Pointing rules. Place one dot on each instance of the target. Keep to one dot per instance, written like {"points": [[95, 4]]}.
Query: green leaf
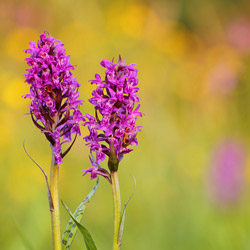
{"points": [[71, 228], [123, 215], [86, 235]]}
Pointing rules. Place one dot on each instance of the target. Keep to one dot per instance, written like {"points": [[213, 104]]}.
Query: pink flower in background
{"points": [[239, 34], [222, 79], [227, 178]]}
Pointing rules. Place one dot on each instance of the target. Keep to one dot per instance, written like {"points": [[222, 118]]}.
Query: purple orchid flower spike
{"points": [[53, 93], [113, 129]]}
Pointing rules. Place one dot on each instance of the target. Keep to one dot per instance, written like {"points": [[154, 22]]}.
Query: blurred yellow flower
{"points": [[12, 93], [78, 37], [5, 128], [18, 40], [133, 20], [177, 42], [127, 18]]}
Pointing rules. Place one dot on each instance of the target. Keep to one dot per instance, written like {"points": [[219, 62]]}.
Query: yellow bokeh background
{"points": [[193, 59]]}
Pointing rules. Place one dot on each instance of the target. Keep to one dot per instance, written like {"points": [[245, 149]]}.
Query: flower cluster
{"points": [[53, 93], [116, 112]]}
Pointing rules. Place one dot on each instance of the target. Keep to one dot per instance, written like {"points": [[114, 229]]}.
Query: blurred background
{"points": [[192, 165]]}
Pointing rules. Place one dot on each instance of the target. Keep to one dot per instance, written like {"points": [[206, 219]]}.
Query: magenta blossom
{"points": [[227, 178], [53, 93], [113, 128]]}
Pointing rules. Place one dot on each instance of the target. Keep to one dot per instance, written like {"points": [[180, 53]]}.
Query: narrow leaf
{"points": [[68, 149], [65, 118], [123, 214], [36, 123], [71, 228], [51, 206], [86, 235]]}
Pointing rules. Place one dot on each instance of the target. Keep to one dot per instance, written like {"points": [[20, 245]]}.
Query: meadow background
{"points": [[192, 165]]}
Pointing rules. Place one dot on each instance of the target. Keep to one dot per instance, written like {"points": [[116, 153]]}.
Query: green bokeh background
{"points": [[194, 84]]}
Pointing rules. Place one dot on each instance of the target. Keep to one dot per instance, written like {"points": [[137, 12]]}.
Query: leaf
{"points": [[71, 229], [68, 149], [86, 235], [51, 206], [93, 159], [123, 215]]}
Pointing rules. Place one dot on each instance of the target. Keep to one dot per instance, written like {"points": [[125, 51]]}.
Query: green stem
{"points": [[55, 214], [117, 209]]}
